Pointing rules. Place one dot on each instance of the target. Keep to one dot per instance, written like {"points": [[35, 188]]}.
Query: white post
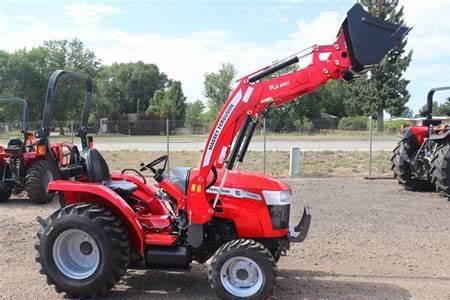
{"points": [[294, 162]]}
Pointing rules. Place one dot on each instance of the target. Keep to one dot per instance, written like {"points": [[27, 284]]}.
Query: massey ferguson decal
{"points": [[236, 193], [223, 119]]}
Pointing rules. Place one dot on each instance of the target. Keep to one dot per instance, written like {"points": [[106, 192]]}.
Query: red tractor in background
{"points": [[239, 220], [24, 165], [32, 163], [421, 159]]}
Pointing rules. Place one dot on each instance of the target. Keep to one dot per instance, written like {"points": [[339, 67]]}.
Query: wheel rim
{"points": [[241, 276], [76, 254]]}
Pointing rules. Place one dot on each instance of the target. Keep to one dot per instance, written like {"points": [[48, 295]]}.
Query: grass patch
{"points": [[312, 164]]}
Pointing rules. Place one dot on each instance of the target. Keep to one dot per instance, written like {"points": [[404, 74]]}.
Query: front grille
{"points": [[280, 216]]}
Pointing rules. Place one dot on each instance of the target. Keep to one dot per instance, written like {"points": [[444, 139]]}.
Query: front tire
{"points": [[83, 249], [242, 269], [37, 178]]}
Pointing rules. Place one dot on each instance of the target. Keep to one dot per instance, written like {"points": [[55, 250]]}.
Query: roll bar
{"points": [[25, 108], [44, 131], [430, 99]]}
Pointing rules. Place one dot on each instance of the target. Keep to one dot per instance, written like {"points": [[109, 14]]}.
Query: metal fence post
{"points": [[168, 142], [370, 146], [71, 129], [264, 144]]}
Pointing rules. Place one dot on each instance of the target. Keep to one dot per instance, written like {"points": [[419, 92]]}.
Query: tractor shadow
{"points": [[290, 284], [22, 200]]}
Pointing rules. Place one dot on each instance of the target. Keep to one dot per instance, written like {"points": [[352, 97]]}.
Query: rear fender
{"points": [[440, 136], [415, 133], [81, 192]]}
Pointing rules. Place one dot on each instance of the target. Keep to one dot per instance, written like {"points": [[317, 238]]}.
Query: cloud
{"points": [[186, 58], [90, 12], [430, 37]]}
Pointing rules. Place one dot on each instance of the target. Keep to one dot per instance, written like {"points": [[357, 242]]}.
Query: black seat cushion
{"points": [[98, 171], [180, 176], [14, 146]]}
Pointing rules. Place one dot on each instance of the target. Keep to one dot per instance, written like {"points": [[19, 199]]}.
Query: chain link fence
{"points": [[328, 146]]}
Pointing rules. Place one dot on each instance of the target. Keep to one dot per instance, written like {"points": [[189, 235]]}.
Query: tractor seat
{"points": [[98, 172], [14, 146], [180, 177]]}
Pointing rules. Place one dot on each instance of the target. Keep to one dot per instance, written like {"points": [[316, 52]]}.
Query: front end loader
{"points": [[238, 220]]}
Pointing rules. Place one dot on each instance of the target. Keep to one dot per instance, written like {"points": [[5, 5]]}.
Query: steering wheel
{"points": [[152, 166]]}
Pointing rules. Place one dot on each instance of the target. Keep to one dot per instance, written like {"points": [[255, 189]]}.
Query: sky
{"points": [[186, 39]]}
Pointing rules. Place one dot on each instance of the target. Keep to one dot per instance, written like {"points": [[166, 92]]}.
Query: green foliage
{"points": [[394, 125], [218, 87], [444, 108], [129, 87], [169, 103], [353, 123], [195, 116], [24, 73]]}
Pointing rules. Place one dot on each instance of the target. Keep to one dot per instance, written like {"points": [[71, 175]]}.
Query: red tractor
{"points": [[421, 159], [32, 163], [238, 219], [24, 165]]}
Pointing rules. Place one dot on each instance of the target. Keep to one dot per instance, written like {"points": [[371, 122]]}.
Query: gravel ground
{"points": [[368, 240]]}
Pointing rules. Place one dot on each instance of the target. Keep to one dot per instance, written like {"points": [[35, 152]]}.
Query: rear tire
{"points": [[402, 169], [242, 269], [37, 178], [440, 169], [83, 249]]}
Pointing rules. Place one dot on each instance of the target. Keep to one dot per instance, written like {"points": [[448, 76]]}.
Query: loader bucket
{"points": [[369, 38]]}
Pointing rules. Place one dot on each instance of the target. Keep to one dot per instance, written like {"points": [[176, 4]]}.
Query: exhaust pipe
{"points": [[368, 39]]}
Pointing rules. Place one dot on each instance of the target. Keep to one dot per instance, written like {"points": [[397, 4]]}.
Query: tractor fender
{"points": [[417, 134], [78, 192], [440, 137]]}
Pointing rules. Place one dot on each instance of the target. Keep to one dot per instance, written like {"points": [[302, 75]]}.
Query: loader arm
{"points": [[361, 43]]}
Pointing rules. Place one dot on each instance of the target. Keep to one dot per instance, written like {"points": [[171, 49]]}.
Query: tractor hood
{"points": [[368, 39]]}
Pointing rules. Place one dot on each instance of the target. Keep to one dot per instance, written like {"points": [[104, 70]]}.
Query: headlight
{"points": [[277, 197]]}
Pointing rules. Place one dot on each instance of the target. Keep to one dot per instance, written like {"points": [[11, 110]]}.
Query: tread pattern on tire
{"points": [[440, 169], [401, 168], [101, 218], [33, 182], [247, 244]]}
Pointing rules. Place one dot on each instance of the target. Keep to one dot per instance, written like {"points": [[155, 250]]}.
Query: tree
{"points": [[434, 109], [169, 103], [407, 113], [218, 87], [195, 115], [384, 88], [130, 86]]}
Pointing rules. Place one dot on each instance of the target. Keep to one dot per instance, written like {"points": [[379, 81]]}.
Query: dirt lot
{"points": [[368, 240]]}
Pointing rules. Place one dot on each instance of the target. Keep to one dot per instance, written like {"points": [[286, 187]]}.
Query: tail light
{"points": [[41, 149], [90, 142]]}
